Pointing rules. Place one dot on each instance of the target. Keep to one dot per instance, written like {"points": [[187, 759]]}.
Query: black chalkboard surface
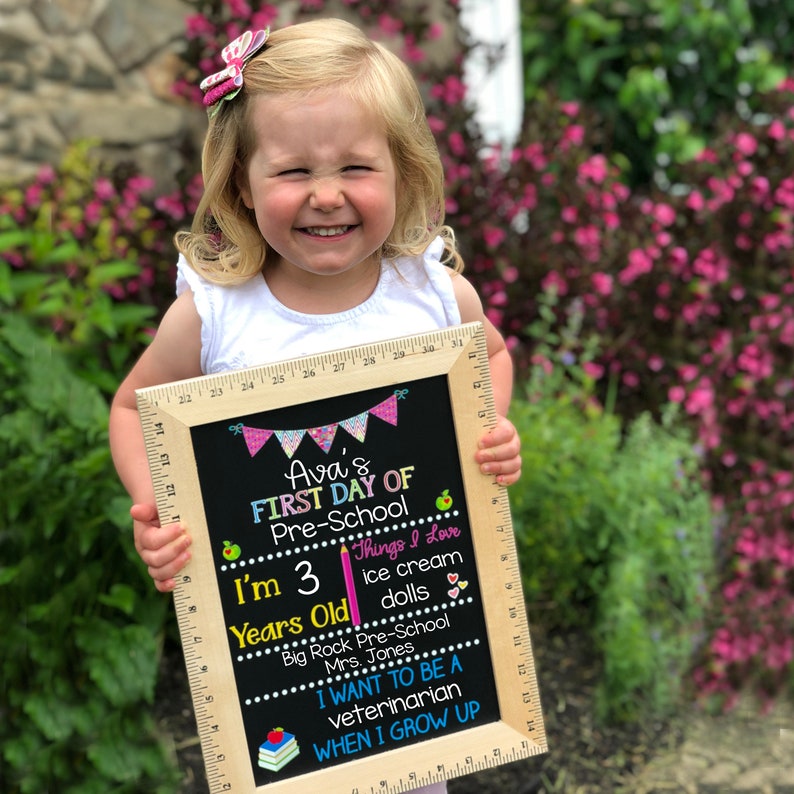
{"points": [[352, 620]]}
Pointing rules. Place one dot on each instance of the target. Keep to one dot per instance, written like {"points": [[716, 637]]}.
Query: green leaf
{"points": [[14, 239], [111, 272], [122, 753], [122, 662], [121, 597]]}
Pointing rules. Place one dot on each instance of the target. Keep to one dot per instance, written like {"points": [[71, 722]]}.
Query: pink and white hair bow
{"points": [[227, 83]]}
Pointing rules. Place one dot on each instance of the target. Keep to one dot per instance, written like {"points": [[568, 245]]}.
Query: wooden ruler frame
{"points": [[168, 412]]}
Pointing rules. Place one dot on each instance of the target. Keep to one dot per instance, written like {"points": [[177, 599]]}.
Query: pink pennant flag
{"points": [[289, 440], [255, 439], [356, 426], [387, 410], [323, 436]]}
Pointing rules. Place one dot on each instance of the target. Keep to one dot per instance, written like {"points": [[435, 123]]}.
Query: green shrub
{"points": [[659, 72], [80, 641], [614, 532], [84, 256]]}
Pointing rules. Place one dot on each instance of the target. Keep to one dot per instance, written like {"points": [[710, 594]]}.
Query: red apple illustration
{"points": [[276, 735], [231, 551], [444, 502]]}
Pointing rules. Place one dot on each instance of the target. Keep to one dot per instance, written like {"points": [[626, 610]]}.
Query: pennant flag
{"points": [[387, 410], [356, 426], [255, 439], [289, 440], [323, 436]]}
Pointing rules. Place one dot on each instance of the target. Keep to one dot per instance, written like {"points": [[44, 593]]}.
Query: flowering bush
{"points": [[84, 254], [217, 22], [636, 572], [660, 72], [690, 294]]}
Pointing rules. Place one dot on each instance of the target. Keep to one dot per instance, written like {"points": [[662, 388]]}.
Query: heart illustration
{"points": [[452, 578], [463, 585], [453, 593]]}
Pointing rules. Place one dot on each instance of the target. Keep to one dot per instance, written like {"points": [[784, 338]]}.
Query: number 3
{"points": [[307, 566]]}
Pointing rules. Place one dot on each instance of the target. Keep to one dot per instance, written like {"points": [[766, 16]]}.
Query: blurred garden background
{"points": [[634, 243]]}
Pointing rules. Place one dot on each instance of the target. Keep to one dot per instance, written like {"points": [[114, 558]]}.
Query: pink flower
{"points": [[777, 130], [390, 25], [746, 144], [639, 264], [588, 238], [541, 361], [602, 283], [45, 175], [573, 135], [510, 274], [103, 189], [33, 194], [631, 379], [436, 124], [534, 155], [664, 214], [759, 188], [529, 199], [592, 370], [493, 236], [688, 372], [456, 144], [695, 201], [412, 52], [676, 394], [197, 26], [554, 282], [569, 214], [701, 398], [594, 170], [778, 655], [264, 17], [743, 242], [452, 91], [499, 298]]}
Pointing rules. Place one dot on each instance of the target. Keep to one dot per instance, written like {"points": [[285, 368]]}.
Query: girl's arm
{"points": [[499, 450], [174, 354]]}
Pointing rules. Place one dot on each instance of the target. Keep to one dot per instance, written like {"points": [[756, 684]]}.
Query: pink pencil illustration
{"points": [[350, 586]]}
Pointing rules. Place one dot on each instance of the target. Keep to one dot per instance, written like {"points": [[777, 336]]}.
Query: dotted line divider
{"points": [[338, 541], [362, 672]]}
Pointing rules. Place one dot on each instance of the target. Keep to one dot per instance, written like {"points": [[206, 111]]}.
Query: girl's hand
{"points": [[165, 550], [499, 452]]}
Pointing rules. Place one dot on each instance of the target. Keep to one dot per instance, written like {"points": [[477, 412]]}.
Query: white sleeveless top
{"points": [[245, 326]]}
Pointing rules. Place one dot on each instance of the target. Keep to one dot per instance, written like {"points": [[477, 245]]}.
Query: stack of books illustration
{"points": [[275, 755]]}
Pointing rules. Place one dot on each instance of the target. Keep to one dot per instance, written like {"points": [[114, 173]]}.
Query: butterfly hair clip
{"points": [[227, 83]]}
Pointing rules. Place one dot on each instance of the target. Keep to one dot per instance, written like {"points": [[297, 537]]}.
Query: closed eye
{"points": [[292, 171]]}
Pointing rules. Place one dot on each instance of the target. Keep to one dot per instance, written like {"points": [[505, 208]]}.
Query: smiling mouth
{"points": [[326, 231]]}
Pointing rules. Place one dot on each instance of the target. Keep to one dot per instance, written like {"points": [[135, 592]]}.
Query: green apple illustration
{"points": [[444, 502], [231, 551]]}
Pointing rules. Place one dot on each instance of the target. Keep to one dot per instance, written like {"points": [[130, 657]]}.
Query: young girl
{"points": [[321, 227]]}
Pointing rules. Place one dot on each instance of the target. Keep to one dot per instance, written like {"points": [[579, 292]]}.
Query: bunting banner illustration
{"points": [[256, 437], [356, 426]]}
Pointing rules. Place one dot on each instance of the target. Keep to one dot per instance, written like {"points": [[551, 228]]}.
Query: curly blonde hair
{"points": [[225, 244]]}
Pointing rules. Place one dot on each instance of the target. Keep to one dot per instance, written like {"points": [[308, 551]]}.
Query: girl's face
{"points": [[322, 184]]}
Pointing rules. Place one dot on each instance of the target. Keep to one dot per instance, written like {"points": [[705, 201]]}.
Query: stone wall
{"points": [[76, 69]]}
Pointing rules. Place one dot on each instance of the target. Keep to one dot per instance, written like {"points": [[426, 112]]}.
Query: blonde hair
{"points": [[225, 243]]}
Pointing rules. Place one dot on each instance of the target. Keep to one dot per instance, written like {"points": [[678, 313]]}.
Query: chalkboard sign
{"points": [[352, 619]]}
